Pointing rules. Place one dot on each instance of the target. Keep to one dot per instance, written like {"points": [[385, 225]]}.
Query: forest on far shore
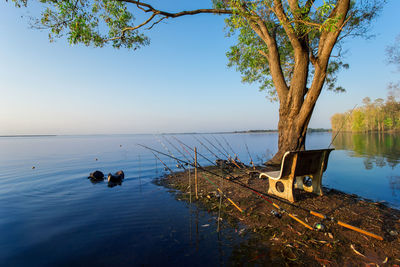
{"points": [[378, 115]]}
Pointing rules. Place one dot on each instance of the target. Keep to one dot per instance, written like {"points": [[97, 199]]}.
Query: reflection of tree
{"points": [[368, 164], [380, 162], [394, 182], [376, 148]]}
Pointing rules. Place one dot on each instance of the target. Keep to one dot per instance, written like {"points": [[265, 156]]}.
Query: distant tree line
{"points": [[376, 115], [309, 130]]}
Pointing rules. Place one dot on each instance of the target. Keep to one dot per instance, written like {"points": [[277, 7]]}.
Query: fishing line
{"points": [[231, 159], [193, 149], [251, 159], [341, 127], [214, 146], [243, 185], [169, 142], [314, 213], [227, 153], [170, 153], [229, 146], [218, 189], [198, 140], [165, 165]]}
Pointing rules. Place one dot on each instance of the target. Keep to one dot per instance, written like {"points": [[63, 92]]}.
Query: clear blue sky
{"points": [[180, 83]]}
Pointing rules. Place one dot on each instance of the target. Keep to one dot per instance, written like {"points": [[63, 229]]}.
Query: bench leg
{"points": [[299, 183], [288, 188], [316, 186]]}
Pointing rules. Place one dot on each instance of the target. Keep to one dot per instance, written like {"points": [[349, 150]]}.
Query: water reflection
{"points": [[94, 181], [394, 182], [52, 214], [112, 184], [378, 150]]}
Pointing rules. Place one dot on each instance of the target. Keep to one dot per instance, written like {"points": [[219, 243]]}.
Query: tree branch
{"points": [[150, 8], [309, 4], [147, 8], [295, 8], [132, 28], [280, 13], [259, 27], [329, 38], [327, 42]]}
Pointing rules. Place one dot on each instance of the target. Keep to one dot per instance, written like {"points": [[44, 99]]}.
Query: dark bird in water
{"points": [[96, 175], [116, 178]]}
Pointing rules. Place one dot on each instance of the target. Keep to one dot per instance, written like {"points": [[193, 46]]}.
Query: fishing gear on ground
{"points": [[278, 207]]}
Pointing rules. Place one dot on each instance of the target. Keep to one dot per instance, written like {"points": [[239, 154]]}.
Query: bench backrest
{"points": [[308, 162]]}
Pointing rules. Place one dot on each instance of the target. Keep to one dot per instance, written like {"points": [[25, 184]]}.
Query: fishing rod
{"points": [[165, 165], [198, 140], [230, 158], [314, 213], [281, 210], [222, 193], [229, 145], [184, 149], [251, 159], [341, 127], [214, 146], [204, 156], [176, 148], [163, 145], [201, 154], [187, 163], [319, 215], [169, 152], [209, 149], [227, 153], [218, 189], [182, 143]]}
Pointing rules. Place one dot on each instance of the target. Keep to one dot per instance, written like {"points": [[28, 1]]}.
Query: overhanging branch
{"points": [[149, 8], [161, 15]]}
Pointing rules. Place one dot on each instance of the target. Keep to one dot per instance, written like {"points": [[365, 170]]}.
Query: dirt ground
{"points": [[279, 239]]}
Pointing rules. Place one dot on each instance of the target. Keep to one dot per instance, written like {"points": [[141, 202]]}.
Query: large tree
{"points": [[285, 45]]}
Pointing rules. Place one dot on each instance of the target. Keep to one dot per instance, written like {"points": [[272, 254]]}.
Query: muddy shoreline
{"points": [[277, 238]]}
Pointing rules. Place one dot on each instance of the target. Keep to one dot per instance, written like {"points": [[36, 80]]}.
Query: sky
{"points": [[179, 83]]}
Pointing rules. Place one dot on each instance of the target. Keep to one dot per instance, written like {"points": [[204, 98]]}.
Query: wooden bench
{"points": [[298, 165]]}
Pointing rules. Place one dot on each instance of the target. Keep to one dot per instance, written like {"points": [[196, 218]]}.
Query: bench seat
{"points": [[295, 167]]}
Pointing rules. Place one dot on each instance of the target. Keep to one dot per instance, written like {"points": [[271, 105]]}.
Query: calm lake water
{"points": [[53, 215]]}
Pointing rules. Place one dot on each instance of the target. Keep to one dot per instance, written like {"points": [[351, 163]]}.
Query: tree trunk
{"points": [[292, 134], [297, 102]]}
